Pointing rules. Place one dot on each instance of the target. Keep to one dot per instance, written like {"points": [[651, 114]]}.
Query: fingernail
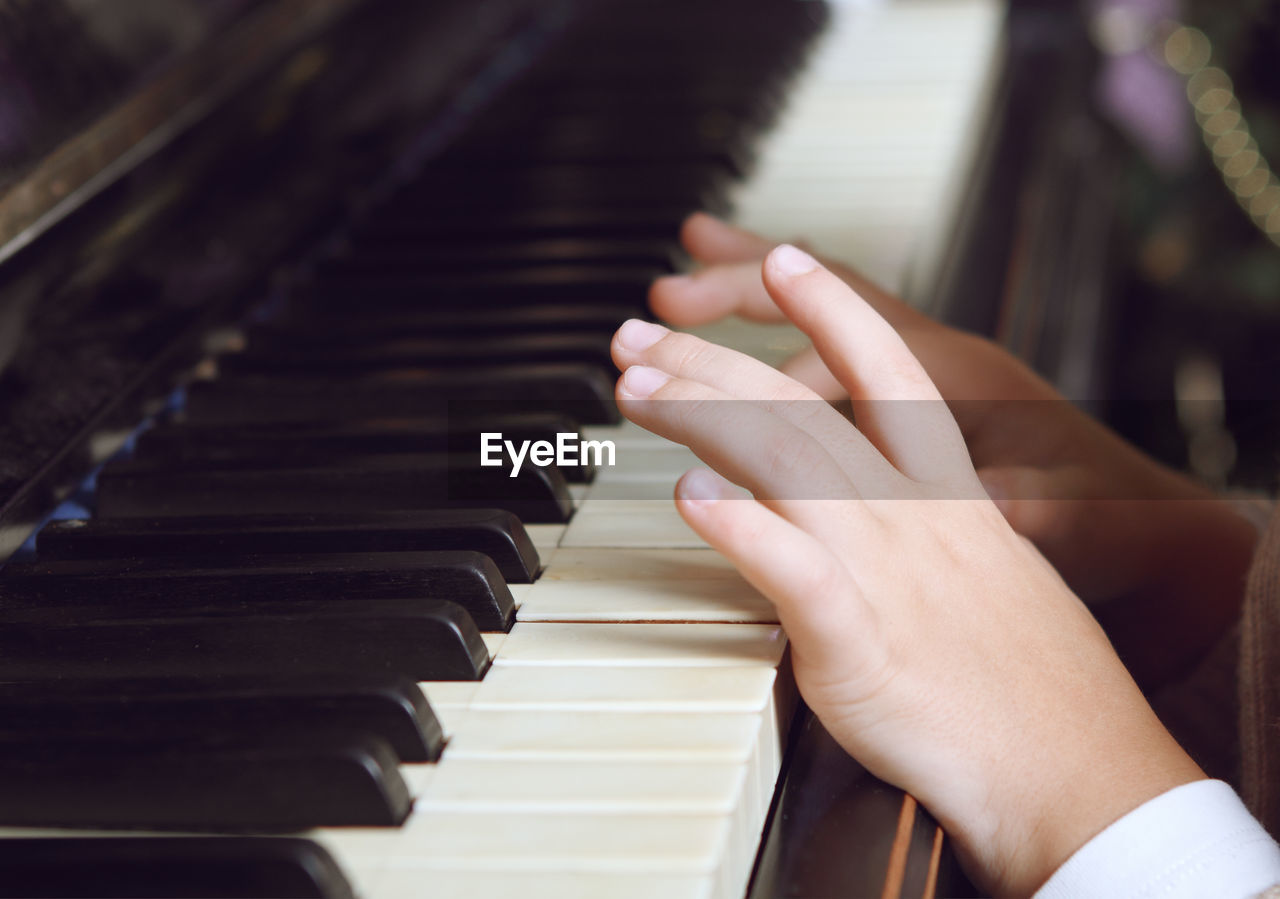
{"points": [[792, 261], [702, 486], [637, 335], [641, 381]]}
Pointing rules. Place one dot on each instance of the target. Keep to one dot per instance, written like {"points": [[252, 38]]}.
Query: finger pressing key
{"points": [[819, 603]]}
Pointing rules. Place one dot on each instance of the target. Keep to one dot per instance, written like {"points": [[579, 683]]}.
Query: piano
{"points": [[269, 271]]}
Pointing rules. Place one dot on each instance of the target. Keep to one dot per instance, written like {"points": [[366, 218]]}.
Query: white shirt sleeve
{"points": [[1196, 840]]}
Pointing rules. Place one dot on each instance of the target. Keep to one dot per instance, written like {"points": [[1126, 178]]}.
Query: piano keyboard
{"points": [[917, 76], [624, 736], [869, 159]]}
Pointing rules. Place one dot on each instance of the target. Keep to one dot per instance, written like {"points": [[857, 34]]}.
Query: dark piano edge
{"points": [[227, 294], [1036, 116], [888, 845]]}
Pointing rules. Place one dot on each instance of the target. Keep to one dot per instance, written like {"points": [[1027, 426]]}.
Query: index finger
{"points": [[896, 404]]}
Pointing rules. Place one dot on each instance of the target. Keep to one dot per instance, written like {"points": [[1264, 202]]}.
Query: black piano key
{"points": [[657, 255], [310, 442], [624, 139], [496, 533], [467, 578], [541, 223], [530, 185], [422, 352], [145, 710], [496, 289], [122, 867], [558, 148], [138, 489], [615, 57], [294, 327], [583, 392], [419, 640], [757, 110], [235, 783]]}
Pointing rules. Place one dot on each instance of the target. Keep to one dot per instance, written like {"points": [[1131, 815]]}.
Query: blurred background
{"points": [[1196, 112]]}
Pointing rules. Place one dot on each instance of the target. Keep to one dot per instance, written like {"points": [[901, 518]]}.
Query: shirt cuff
{"points": [[1195, 840]]}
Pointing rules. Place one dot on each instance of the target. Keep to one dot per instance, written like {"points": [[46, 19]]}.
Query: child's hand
{"points": [[1113, 521], [934, 643]]}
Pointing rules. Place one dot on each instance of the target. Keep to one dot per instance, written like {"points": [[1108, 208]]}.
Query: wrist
{"points": [[1076, 813], [1038, 818]]}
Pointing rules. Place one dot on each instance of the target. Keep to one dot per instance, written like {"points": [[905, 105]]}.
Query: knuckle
{"points": [[686, 355]]}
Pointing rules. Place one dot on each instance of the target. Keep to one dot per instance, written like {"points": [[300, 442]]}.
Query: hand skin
{"points": [[1161, 559], [937, 646]]}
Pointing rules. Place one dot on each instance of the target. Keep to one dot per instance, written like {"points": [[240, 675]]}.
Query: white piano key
{"points": [[662, 852], [449, 699], [620, 491], [408, 883], [519, 592], [617, 788], [917, 74], [649, 462], [625, 434], [359, 848], [729, 739], [517, 841], [417, 776], [643, 645], [746, 690], [641, 600], [460, 840], [449, 692], [365, 876], [607, 736], [768, 761], [754, 691], [545, 538], [566, 787], [493, 642], [608, 564], [630, 523]]}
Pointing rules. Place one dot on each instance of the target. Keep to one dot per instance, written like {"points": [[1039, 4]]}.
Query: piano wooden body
{"points": [[267, 270]]}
